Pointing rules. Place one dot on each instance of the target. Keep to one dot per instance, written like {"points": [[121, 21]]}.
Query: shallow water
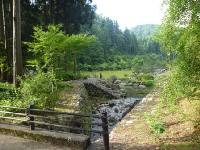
{"points": [[118, 111]]}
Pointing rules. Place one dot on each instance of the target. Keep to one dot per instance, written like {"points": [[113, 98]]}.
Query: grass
{"points": [[108, 74], [185, 146]]}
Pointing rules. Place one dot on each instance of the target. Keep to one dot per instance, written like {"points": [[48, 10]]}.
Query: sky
{"points": [[130, 13]]}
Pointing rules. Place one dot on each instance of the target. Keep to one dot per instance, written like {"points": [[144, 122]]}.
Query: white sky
{"points": [[130, 13]]}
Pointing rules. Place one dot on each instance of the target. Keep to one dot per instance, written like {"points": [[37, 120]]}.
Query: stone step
{"points": [[77, 141]]}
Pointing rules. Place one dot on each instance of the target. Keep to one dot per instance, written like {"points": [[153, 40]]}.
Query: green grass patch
{"points": [[181, 146], [107, 74]]}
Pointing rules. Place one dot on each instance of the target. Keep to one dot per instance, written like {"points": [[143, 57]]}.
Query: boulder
{"points": [[116, 110], [115, 86], [111, 104], [113, 78], [108, 85], [122, 84], [135, 85], [102, 81], [117, 82], [112, 119], [142, 86], [122, 90]]}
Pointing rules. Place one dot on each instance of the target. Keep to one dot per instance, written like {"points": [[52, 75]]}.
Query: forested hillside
{"points": [[144, 30], [116, 49], [112, 49]]}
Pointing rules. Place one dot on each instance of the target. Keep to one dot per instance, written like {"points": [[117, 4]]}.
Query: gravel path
{"points": [[15, 143]]}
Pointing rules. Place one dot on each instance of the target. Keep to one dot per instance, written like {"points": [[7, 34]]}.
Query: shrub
{"points": [[144, 77], [131, 81], [156, 124], [149, 82], [66, 76], [38, 89]]}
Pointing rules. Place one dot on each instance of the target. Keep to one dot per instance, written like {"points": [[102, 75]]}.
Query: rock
{"points": [[112, 119], [130, 84], [122, 90], [115, 86], [108, 85], [113, 78], [117, 82], [103, 82], [123, 95], [122, 84], [142, 86], [135, 85], [111, 104], [116, 110], [128, 122]]}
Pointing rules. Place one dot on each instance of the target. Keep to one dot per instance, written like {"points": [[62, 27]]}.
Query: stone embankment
{"points": [[99, 88]]}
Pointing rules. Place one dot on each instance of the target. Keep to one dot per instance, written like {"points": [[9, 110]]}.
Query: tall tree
{"points": [[17, 52]]}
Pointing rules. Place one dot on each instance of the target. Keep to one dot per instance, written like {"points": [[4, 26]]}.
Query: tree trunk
{"points": [[51, 11], [9, 57], [45, 13], [2, 37], [6, 41], [17, 53]]}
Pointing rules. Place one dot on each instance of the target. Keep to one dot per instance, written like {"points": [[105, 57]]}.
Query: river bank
{"points": [[134, 132], [130, 133]]}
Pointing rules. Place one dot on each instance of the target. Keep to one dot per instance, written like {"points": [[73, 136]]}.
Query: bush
{"points": [[144, 77], [39, 89], [66, 76], [131, 81], [149, 82]]}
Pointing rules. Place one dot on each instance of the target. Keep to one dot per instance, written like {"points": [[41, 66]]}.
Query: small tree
{"points": [[48, 47], [77, 43]]}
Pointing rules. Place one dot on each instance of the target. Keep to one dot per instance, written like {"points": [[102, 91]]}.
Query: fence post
{"points": [[31, 118], [105, 129]]}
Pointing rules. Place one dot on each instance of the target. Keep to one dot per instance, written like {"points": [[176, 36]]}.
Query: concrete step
{"points": [[75, 141]]}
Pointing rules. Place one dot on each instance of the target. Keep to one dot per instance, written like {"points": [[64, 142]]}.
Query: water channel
{"points": [[116, 109]]}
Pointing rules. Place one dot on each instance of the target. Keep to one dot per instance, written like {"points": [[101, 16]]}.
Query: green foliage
{"points": [[131, 81], [190, 145], [47, 45], [39, 89], [66, 76], [184, 42], [78, 42], [144, 30], [144, 77], [149, 82], [157, 126]]}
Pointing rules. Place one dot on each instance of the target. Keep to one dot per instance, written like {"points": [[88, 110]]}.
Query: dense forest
{"points": [[110, 49]]}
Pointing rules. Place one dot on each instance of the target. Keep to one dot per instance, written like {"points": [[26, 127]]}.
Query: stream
{"points": [[116, 110]]}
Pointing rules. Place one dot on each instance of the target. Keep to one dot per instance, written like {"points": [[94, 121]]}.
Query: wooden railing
{"points": [[33, 114]]}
